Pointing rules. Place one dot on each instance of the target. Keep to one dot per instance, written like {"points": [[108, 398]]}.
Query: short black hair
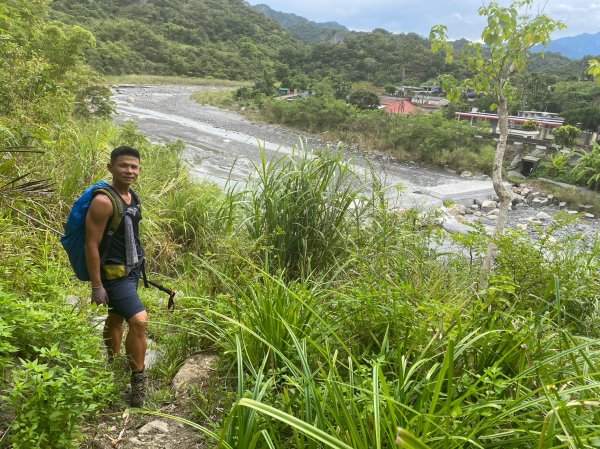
{"points": [[123, 151]]}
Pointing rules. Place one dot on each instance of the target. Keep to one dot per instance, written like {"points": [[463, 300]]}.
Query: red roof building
{"points": [[401, 106]]}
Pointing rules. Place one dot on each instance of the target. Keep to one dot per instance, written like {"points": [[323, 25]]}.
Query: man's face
{"points": [[125, 170]]}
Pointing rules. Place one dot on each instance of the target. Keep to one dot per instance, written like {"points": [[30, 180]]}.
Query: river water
{"points": [[222, 145]]}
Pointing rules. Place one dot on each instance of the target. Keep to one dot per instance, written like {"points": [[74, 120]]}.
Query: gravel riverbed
{"points": [[223, 145]]}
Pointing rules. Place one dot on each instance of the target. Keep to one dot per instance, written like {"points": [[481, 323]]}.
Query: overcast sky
{"points": [[403, 16]]}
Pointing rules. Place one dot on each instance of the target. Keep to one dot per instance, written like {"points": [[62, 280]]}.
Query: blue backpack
{"points": [[74, 238]]}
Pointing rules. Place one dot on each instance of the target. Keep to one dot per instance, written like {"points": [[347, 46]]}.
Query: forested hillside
{"points": [[214, 38], [303, 29]]}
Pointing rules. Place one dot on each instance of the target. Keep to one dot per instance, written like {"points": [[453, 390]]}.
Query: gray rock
{"points": [[155, 426], [572, 212], [453, 226], [195, 370], [517, 199], [488, 205], [587, 215], [466, 174], [457, 209], [562, 205], [74, 301], [543, 216], [516, 162], [539, 202], [515, 175]]}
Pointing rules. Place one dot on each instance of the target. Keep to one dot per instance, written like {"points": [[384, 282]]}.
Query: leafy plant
{"points": [[566, 135], [587, 170]]}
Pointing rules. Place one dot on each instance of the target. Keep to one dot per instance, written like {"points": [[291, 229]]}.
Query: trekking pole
{"points": [[171, 293], [168, 291]]}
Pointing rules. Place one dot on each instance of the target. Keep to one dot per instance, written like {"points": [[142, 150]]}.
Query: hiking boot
{"points": [[138, 389]]}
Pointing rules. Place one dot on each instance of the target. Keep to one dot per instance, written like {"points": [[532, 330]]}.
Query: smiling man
{"points": [[114, 261]]}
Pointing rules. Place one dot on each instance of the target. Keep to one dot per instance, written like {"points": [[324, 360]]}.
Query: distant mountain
{"points": [[574, 47], [302, 29]]}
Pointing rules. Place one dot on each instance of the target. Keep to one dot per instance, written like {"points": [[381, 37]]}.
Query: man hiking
{"points": [[114, 265]]}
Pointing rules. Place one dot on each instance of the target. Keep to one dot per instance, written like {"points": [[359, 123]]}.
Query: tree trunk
{"points": [[503, 194]]}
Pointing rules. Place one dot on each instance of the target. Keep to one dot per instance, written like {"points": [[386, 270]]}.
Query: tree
{"points": [[566, 135], [364, 99], [510, 33]]}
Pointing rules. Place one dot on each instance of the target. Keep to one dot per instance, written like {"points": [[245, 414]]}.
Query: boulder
{"points": [[196, 370], [515, 176], [488, 205], [457, 209], [453, 226], [516, 162]]}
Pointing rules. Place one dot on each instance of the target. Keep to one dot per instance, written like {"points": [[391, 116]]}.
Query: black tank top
{"points": [[116, 252]]}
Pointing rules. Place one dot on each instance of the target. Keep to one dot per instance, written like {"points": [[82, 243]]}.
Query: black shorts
{"points": [[123, 298]]}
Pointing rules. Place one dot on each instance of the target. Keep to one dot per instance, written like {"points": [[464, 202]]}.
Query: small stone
{"points": [[477, 213], [535, 194], [543, 216], [535, 222], [475, 206], [522, 226], [457, 209], [585, 206], [562, 205], [587, 215], [494, 212], [155, 426], [487, 206], [493, 217], [525, 191], [552, 239], [466, 174], [550, 197], [111, 429], [539, 202], [572, 212]]}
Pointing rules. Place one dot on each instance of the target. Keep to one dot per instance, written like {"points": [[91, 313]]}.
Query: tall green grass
{"points": [[302, 209]]}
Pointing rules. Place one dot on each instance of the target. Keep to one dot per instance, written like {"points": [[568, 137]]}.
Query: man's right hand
{"points": [[99, 296]]}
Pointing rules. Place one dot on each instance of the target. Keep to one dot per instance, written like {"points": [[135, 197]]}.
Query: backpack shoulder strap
{"points": [[118, 208], [137, 198]]}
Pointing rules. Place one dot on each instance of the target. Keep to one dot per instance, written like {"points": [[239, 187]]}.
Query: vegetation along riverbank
{"points": [[331, 320]]}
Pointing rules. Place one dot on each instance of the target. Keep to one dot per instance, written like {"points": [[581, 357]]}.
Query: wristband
{"points": [[99, 286]]}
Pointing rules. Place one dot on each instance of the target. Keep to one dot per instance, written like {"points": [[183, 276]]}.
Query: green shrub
{"points": [[60, 379], [301, 209], [566, 135]]}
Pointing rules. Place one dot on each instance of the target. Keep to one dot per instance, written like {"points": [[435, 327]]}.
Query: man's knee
{"points": [[114, 322], [138, 323]]}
